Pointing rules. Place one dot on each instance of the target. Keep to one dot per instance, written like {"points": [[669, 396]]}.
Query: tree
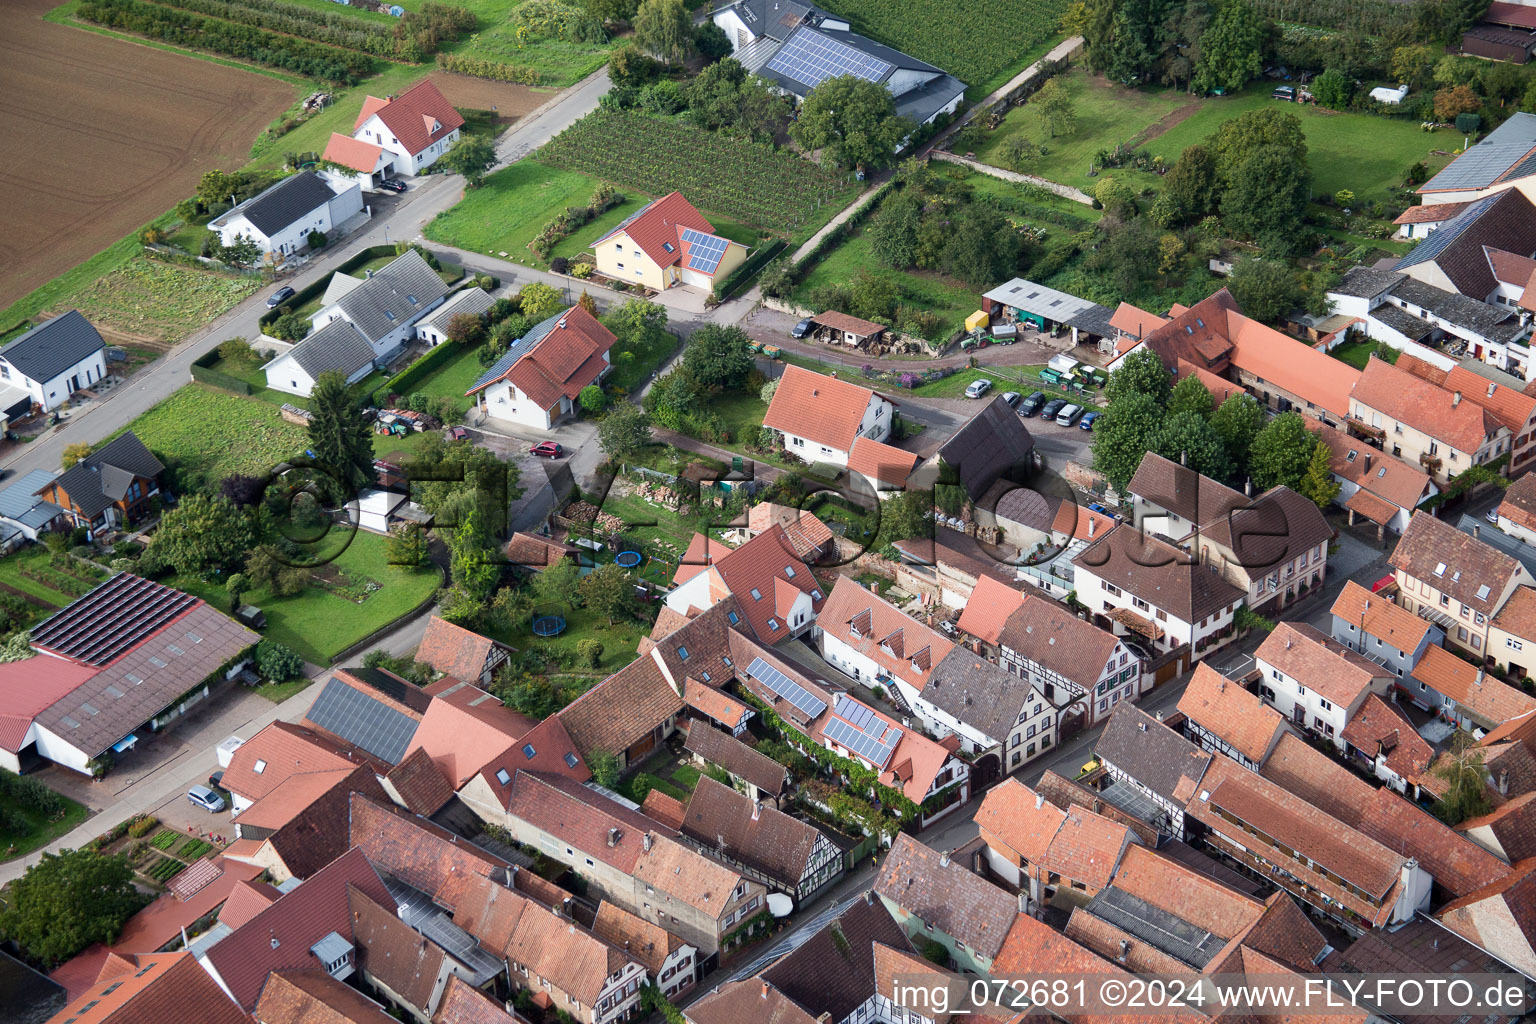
{"points": [[1018, 152], [1191, 395], [540, 301], [604, 767], [244, 251], [1126, 431], [1451, 71], [1231, 49], [609, 591], [1189, 438], [405, 545], [1189, 189], [719, 356], [1238, 421], [768, 390], [630, 66], [588, 303], [710, 41], [893, 231], [1140, 373], [74, 453], [592, 399], [1317, 483], [1238, 139], [1267, 197], [338, 435], [277, 662], [982, 250], [1115, 197], [624, 431], [1281, 452], [590, 650], [204, 534], [724, 97], [1054, 108], [1332, 89], [664, 28], [1411, 65], [67, 901], [555, 585], [1170, 255], [237, 585], [905, 516], [1466, 794], [473, 566], [1454, 101], [1265, 289], [853, 122]]}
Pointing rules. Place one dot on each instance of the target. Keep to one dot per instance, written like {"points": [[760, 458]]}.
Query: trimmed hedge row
{"points": [[314, 291], [202, 371], [496, 71], [403, 382], [738, 279]]}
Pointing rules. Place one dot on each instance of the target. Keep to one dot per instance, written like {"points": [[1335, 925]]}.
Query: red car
{"points": [[547, 450], [457, 434]]}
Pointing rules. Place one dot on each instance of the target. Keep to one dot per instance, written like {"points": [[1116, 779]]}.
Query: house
{"points": [[807, 534], [280, 750], [1423, 948], [1420, 422], [936, 897], [762, 776], [1173, 501], [668, 960], [1454, 580], [281, 218], [532, 552], [1506, 831], [1148, 764], [133, 988], [820, 417], [23, 510], [1465, 248], [414, 128], [993, 444], [1223, 718], [798, 47], [535, 383], [473, 302], [870, 639], [1497, 918], [128, 655], [784, 853], [632, 860], [348, 161], [371, 709], [775, 592], [386, 305], [1382, 736], [406, 968], [1274, 548], [881, 469], [1046, 309], [1463, 693], [716, 706], [50, 363], [1382, 631], [295, 996], [1516, 511], [1052, 853], [299, 827], [947, 566], [1372, 484], [1501, 395], [115, 486], [1138, 584], [667, 242], [464, 654], [1512, 633], [1341, 873], [1419, 222], [1496, 163], [1316, 682], [338, 346], [1003, 718]]}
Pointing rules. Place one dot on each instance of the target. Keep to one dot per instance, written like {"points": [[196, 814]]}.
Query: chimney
{"points": [[1142, 726], [1023, 899], [944, 859], [1184, 458], [1248, 488], [757, 809], [1221, 687], [1092, 525], [368, 272], [646, 839], [613, 836], [1504, 782], [1125, 950], [869, 897], [1455, 399], [1409, 867], [764, 994], [1367, 462], [1039, 800], [1159, 716]]}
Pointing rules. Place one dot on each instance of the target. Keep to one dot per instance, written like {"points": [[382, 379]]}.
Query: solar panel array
{"points": [[861, 716], [812, 58], [704, 251], [110, 619], [359, 719], [806, 702], [874, 747]]}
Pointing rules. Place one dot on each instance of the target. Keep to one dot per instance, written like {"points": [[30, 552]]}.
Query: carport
{"points": [[842, 329]]}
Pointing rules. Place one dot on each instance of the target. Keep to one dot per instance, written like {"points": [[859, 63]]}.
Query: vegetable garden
{"points": [[741, 180]]}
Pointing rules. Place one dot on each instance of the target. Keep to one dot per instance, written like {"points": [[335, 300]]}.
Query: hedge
{"points": [[738, 279], [314, 291], [403, 382], [479, 67], [202, 370]]}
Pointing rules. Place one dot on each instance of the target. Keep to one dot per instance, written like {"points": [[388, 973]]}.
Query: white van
{"points": [[1069, 415]]}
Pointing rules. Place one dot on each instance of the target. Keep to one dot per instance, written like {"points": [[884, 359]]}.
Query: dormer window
{"points": [[388, 315], [732, 617], [1439, 568], [1351, 456], [669, 247], [411, 299]]}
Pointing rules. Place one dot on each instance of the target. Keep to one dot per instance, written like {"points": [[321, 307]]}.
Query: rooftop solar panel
{"points": [[812, 58], [359, 719], [875, 750], [859, 715], [806, 702], [110, 619], [704, 251]]}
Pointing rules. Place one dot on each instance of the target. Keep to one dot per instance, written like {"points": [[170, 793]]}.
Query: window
{"points": [[1514, 644], [620, 266], [757, 595], [734, 620], [259, 767], [1323, 703], [682, 652], [789, 572], [528, 750], [773, 625], [1114, 590]]}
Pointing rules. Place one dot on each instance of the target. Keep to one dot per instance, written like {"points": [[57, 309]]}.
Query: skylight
{"points": [[502, 776], [1439, 568], [528, 750], [789, 572], [757, 595]]}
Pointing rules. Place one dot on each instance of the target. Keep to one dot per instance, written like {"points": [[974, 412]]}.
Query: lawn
{"points": [[632, 367], [453, 378], [947, 297], [41, 831], [620, 641], [158, 300], [320, 622], [652, 524], [210, 433]]}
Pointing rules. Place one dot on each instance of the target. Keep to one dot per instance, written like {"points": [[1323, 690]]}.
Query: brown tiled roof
{"points": [[982, 695], [1047, 633], [1430, 214], [736, 757], [567, 358], [464, 1004], [1224, 708], [1197, 334], [805, 531], [1020, 818], [1316, 778], [1319, 662], [833, 973], [150, 988], [1518, 616], [1190, 895], [1379, 475], [1087, 847], [1065, 793], [572, 958], [582, 817], [1513, 826], [317, 835], [850, 324], [880, 631], [759, 565], [1511, 766], [1380, 617], [714, 703], [1470, 687], [415, 850], [1514, 895], [1285, 933], [892, 963], [621, 709], [1519, 503], [752, 1001], [454, 650], [1113, 942], [723, 820], [883, 463], [1398, 394], [1278, 526], [818, 408], [420, 783], [1454, 563], [1379, 729], [311, 996], [685, 874], [1182, 491], [393, 952], [1148, 751], [1158, 573], [646, 942], [535, 552], [946, 894], [666, 809]]}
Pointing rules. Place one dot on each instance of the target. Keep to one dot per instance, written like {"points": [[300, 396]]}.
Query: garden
{"points": [[206, 434], [55, 578], [160, 301], [32, 815]]}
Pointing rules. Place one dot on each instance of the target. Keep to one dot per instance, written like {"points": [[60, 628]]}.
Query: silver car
{"points": [[205, 799]]}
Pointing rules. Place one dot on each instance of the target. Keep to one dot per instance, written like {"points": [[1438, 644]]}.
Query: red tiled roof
{"points": [[1511, 407], [411, 115], [454, 650], [701, 554], [152, 988], [419, 783], [1087, 847], [755, 566], [988, 609], [1519, 504], [1386, 478], [1197, 334], [818, 408], [1432, 213], [660, 224], [1310, 375], [1224, 708], [849, 324], [1379, 730], [284, 749], [535, 552], [1379, 617], [247, 900], [311, 996], [31, 685], [714, 703], [1509, 267], [1319, 663], [354, 153], [465, 728], [880, 631], [1135, 321], [882, 463], [805, 531], [1220, 388], [464, 1004], [564, 360], [413, 849], [1470, 687], [649, 943], [1019, 818], [291, 797], [581, 817], [1400, 395], [1518, 616], [666, 809]]}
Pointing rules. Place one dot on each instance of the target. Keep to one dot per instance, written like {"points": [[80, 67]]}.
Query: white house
{"points": [[470, 301], [413, 128], [336, 346], [281, 219], [821, 417], [1315, 681], [54, 360], [777, 596], [386, 306], [352, 161], [535, 383]]}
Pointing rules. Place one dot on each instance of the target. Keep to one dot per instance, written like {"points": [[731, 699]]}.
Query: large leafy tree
{"points": [[1317, 483], [1281, 452], [1231, 49], [609, 591], [852, 121], [1140, 373], [1189, 438], [664, 28], [1466, 794], [1126, 431], [624, 431], [1265, 289], [894, 231], [1267, 197], [67, 901], [719, 356], [1238, 421], [1191, 184], [1191, 395], [204, 534], [984, 248], [471, 156], [1238, 139], [338, 436], [1054, 108], [474, 567], [724, 97], [540, 301], [555, 584]]}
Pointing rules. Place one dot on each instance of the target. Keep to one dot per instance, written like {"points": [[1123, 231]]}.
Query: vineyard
{"points": [[411, 38], [751, 183], [1371, 17], [977, 41]]}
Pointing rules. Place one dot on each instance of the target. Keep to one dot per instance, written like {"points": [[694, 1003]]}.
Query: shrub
{"points": [[277, 662], [592, 399], [142, 826], [560, 265], [317, 239], [591, 651]]}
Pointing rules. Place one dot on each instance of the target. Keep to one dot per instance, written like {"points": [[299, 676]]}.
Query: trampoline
{"points": [[627, 559], [548, 625]]}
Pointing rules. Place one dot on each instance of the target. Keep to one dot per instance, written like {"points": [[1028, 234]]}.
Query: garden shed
{"points": [[842, 329]]}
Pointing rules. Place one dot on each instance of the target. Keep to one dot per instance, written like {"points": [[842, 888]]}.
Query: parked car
{"points": [[279, 297], [547, 450], [1068, 416], [205, 799], [457, 434], [216, 780], [1049, 410], [392, 185], [801, 329], [1086, 423], [1492, 515], [1012, 398], [1032, 404], [978, 387]]}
